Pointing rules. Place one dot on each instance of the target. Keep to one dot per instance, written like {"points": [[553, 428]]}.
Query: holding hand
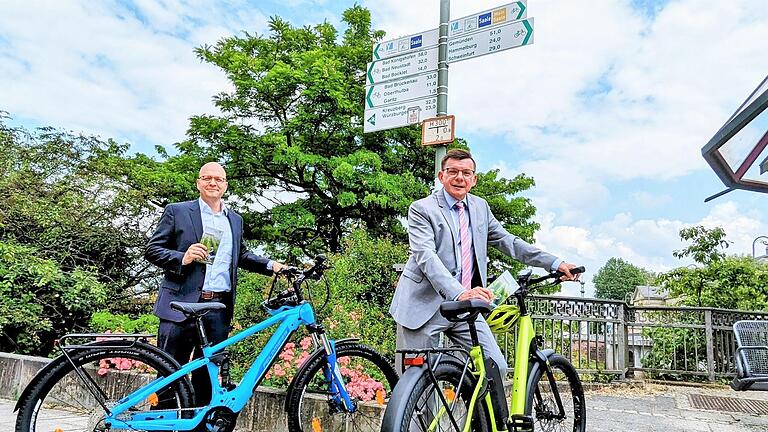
{"points": [[566, 269], [197, 251], [477, 293], [277, 267]]}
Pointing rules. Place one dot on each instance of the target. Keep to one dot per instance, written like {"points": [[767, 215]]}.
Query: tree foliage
{"points": [[40, 301], [67, 229], [290, 135], [618, 278], [707, 244]]}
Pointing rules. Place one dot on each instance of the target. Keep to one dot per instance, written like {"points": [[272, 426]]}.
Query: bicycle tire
{"points": [[540, 402], [58, 399], [309, 400], [399, 417]]}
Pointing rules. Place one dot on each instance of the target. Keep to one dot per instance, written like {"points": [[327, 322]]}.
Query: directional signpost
{"points": [[395, 92], [399, 115], [495, 39], [405, 65], [402, 80]]}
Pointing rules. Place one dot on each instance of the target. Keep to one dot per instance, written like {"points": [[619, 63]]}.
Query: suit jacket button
{"points": [[453, 273]]}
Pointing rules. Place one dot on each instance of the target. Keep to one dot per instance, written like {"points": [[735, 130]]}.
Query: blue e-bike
{"points": [[122, 382]]}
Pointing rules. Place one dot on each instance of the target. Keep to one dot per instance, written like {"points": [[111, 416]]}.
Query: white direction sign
{"points": [[495, 39], [478, 21], [405, 89], [412, 63], [398, 115]]}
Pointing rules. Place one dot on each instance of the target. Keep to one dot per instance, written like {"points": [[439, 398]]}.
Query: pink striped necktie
{"points": [[466, 248]]}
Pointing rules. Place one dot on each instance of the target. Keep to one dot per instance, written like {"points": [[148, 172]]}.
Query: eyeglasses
{"points": [[206, 179], [453, 172]]}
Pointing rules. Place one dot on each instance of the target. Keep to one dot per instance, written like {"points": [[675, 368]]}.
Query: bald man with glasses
{"points": [[175, 247]]}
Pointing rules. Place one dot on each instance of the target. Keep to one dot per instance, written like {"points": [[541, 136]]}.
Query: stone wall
{"points": [[264, 412]]}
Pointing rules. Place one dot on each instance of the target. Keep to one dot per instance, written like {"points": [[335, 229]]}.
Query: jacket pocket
{"points": [[170, 286], [416, 276]]}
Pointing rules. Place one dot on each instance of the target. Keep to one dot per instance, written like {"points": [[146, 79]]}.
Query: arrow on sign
{"points": [[521, 5], [529, 33]]}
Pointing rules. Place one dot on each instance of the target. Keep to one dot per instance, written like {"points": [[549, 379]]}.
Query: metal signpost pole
{"points": [[442, 76]]}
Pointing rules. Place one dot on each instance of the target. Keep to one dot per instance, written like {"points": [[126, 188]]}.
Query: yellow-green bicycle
{"points": [[447, 389]]}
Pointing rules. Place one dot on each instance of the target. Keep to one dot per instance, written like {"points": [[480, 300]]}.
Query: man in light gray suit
{"points": [[449, 233]]}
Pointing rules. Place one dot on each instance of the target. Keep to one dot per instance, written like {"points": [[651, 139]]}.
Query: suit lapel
{"points": [[446, 212], [474, 216], [197, 221]]}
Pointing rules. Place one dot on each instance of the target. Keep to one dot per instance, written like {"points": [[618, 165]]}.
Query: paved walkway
{"points": [[643, 408]]}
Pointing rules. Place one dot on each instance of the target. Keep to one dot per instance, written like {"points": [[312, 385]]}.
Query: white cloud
{"points": [[106, 69]]}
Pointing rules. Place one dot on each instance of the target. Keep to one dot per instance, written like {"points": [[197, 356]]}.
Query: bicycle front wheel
{"points": [[70, 396], [368, 378], [541, 401]]}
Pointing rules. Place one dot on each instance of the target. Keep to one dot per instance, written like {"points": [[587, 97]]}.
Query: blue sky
{"points": [[607, 110]]}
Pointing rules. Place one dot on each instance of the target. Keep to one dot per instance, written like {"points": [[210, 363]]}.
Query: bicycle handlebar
{"points": [[554, 275], [298, 276]]}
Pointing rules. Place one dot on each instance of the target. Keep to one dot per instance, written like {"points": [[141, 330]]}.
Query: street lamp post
{"points": [[764, 242]]}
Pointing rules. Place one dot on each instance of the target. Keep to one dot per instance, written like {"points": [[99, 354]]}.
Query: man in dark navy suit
{"points": [[175, 247]]}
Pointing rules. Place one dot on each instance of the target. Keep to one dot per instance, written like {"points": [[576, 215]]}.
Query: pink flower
{"points": [[279, 372], [302, 358], [287, 355], [102, 371], [306, 342], [354, 316], [343, 361]]}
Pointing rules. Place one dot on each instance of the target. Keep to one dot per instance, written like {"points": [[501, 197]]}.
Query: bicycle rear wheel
{"points": [[59, 399], [541, 402], [369, 379], [424, 410]]}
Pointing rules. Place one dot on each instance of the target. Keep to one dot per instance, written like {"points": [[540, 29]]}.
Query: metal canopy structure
{"points": [[738, 152]]}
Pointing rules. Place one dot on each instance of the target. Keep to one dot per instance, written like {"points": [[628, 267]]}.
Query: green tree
{"points": [[706, 246], [40, 301], [62, 214], [618, 278], [290, 134]]}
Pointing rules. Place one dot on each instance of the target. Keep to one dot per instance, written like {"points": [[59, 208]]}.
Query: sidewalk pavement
{"points": [[637, 408]]}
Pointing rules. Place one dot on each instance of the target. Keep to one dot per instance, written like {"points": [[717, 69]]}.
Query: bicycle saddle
{"points": [[196, 308], [464, 310]]}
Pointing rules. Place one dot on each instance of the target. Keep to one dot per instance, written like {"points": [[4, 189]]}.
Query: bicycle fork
{"points": [[332, 372]]}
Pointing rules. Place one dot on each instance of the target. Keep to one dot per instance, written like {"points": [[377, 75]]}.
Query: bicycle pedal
{"points": [[520, 423]]}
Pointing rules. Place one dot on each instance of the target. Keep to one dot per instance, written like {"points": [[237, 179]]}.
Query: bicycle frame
{"points": [[525, 337], [288, 320]]}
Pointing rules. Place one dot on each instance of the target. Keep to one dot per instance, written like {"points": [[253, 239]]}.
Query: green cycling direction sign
{"points": [[395, 92], [401, 66], [500, 38], [398, 115], [478, 21]]}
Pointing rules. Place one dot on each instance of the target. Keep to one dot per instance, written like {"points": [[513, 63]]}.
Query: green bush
{"points": [[120, 323], [40, 302]]}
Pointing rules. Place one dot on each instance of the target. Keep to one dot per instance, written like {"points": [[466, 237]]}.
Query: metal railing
{"points": [[612, 337]]}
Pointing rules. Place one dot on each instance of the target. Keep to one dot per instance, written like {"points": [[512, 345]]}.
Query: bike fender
{"points": [[320, 352], [91, 345], [393, 416], [539, 360]]}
